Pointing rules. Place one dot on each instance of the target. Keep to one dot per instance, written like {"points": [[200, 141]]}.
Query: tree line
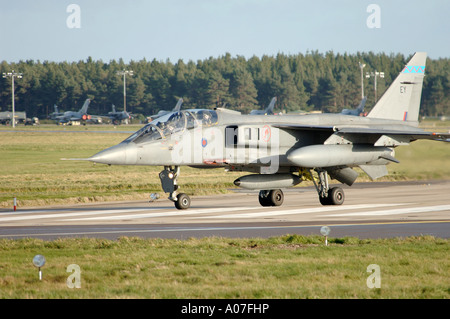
{"points": [[313, 81]]}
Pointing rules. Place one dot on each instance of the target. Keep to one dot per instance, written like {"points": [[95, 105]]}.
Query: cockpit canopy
{"points": [[174, 122]]}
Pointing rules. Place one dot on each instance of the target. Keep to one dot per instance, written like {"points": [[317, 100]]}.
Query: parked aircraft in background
{"points": [[117, 117], [281, 151], [162, 113], [358, 111], [267, 111], [56, 113], [71, 116]]}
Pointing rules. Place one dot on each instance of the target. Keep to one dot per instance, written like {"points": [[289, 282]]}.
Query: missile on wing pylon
{"points": [[269, 181]]}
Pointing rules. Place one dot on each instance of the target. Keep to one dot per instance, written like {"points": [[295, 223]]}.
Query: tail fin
{"points": [[85, 106], [269, 109], [401, 101], [178, 106]]}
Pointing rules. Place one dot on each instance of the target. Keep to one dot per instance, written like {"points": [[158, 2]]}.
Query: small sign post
{"points": [[39, 261], [325, 231]]}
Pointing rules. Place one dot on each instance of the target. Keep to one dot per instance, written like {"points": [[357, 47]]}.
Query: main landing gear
{"points": [[168, 179], [327, 196], [272, 197]]}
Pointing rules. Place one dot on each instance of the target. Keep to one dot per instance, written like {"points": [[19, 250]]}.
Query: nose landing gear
{"points": [[169, 184]]}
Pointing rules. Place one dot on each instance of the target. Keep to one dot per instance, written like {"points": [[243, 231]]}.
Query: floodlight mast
{"points": [[362, 65], [125, 73], [375, 74], [12, 75]]}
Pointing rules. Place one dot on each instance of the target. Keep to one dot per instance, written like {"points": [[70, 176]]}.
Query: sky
{"points": [[55, 30]]}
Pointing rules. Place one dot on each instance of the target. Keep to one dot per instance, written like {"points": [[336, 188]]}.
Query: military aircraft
{"points": [[281, 151], [55, 114], [118, 117], [71, 116], [358, 111], [162, 113], [267, 111]]}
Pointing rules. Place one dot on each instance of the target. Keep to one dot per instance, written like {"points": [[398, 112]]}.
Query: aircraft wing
{"points": [[412, 134], [379, 136]]}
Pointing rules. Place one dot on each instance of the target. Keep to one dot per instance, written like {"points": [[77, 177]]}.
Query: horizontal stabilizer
{"points": [[374, 171], [344, 175]]}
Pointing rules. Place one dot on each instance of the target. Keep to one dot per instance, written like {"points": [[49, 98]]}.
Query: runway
{"points": [[371, 210]]}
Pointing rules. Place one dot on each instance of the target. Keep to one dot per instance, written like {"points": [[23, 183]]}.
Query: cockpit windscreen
{"points": [[172, 123]]}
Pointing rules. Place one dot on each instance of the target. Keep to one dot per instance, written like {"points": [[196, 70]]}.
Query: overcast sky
{"points": [[198, 29]]}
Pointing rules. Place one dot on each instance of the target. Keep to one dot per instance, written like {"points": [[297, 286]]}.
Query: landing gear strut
{"points": [[168, 179], [327, 196], [272, 197]]}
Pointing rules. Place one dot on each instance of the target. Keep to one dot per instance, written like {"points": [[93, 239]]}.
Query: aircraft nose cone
{"points": [[121, 154]]}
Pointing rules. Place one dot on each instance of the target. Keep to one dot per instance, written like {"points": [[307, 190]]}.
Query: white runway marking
{"points": [[224, 212], [410, 210], [38, 216], [167, 214], [301, 211]]}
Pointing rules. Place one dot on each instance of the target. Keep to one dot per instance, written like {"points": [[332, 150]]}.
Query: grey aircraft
{"points": [[281, 151], [177, 108], [267, 111], [358, 111], [55, 114], [71, 116], [118, 117]]}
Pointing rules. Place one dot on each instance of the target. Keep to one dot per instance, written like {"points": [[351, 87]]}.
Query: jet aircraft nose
{"points": [[120, 154]]}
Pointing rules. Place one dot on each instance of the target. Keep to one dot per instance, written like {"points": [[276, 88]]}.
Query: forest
{"points": [[314, 81]]}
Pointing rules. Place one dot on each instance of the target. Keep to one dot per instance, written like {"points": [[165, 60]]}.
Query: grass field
{"points": [[291, 266], [33, 172]]}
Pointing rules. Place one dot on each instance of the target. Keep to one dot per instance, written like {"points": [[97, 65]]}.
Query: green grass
{"points": [[32, 171], [290, 266]]}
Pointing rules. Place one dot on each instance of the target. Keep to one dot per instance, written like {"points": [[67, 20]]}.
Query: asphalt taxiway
{"points": [[371, 210]]}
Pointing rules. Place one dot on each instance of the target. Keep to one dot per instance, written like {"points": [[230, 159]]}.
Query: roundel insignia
{"points": [[204, 142], [266, 133]]}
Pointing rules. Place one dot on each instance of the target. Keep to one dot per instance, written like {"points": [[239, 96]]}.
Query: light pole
{"points": [[12, 75], [125, 73], [362, 65], [375, 74]]}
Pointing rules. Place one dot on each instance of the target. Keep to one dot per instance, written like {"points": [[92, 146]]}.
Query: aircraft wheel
{"points": [[263, 198], [336, 196], [276, 197], [324, 200], [273, 197], [183, 201]]}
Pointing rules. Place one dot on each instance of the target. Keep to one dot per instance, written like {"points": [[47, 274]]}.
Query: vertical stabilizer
{"points": [[85, 106], [401, 101]]}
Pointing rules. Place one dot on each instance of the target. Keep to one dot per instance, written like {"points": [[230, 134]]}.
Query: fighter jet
{"points": [[118, 117], [71, 116], [358, 111], [162, 113], [55, 114], [267, 111], [281, 151]]}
